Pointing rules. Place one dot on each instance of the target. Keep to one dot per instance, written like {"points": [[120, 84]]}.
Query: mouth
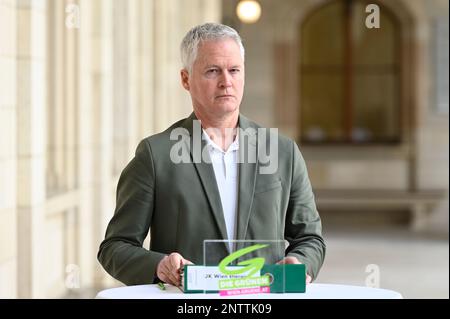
{"points": [[224, 97]]}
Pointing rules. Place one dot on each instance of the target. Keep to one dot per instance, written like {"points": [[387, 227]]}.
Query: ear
{"points": [[185, 79]]}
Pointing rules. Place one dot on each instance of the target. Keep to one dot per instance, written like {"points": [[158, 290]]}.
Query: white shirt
{"points": [[225, 166]]}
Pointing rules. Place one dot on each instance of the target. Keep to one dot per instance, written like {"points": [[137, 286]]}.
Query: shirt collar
{"points": [[212, 145]]}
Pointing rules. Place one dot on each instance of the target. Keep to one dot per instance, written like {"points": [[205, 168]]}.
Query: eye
{"points": [[212, 71], [235, 70]]}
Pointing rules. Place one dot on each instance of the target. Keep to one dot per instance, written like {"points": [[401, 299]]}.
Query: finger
{"points": [[165, 268], [187, 262], [162, 276], [175, 260], [291, 260], [165, 272], [168, 277], [171, 280], [161, 268], [175, 278], [176, 264], [171, 275], [308, 279], [182, 263]]}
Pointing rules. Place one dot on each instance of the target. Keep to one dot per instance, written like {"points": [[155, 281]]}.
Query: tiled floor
{"points": [[416, 265]]}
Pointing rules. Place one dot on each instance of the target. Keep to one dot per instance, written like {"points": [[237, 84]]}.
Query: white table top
{"points": [[313, 291]]}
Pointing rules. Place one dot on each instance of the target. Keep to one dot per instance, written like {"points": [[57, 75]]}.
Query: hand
{"points": [[169, 268], [293, 260]]}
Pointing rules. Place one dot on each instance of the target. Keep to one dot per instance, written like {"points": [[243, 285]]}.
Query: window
{"points": [[349, 76]]}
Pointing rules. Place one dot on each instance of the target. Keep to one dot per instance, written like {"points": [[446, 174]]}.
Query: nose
{"points": [[225, 80]]}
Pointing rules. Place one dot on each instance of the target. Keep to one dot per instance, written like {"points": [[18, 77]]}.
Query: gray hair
{"points": [[206, 32]]}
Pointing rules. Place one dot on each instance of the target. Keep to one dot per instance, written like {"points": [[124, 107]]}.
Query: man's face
{"points": [[216, 83]]}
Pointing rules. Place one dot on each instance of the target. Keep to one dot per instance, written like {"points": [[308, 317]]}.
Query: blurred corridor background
{"points": [[83, 81]]}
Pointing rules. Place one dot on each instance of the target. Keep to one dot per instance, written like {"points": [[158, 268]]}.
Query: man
{"points": [[216, 195]]}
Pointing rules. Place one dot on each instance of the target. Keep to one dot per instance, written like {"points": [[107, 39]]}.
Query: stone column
{"points": [[31, 132], [161, 105], [87, 129], [146, 69], [134, 65], [8, 150], [97, 150]]}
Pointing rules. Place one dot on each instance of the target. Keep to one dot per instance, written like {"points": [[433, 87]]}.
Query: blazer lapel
{"points": [[205, 171], [248, 165]]}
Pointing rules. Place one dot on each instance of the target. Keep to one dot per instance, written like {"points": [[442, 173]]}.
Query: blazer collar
{"points": [[205, 172], [247, 168]]}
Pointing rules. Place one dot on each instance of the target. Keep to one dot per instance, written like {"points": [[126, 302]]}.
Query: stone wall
{"points": [[82, 82]]}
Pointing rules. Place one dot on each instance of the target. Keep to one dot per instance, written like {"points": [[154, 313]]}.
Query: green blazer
{"points": [[180, 205]]}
